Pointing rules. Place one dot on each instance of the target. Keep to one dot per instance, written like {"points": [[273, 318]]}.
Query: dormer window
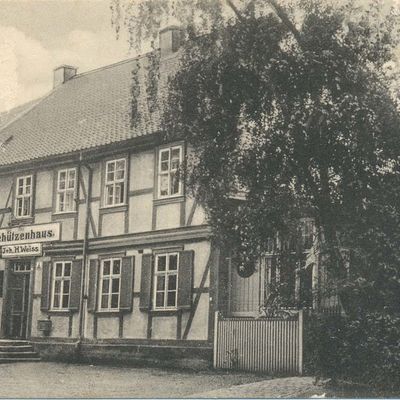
{"points": [[23, 197]]}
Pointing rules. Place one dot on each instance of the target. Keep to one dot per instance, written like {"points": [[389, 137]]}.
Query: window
{"points": [[23, 197], [307, 233], [169, 183], [66, 184], [61, 285], [110, 284], [115, 182], [166, 281], [21, 266]]}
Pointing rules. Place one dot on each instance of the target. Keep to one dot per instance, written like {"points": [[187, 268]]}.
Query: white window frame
{"points": [[23, 196], [61, 278], [66, 190], [110, 278], [168, 173], [166, 274], [307, 226], [114, 183]]}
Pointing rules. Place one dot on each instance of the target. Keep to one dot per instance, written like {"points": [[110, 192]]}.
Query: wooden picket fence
{"points": [[271, 345]]}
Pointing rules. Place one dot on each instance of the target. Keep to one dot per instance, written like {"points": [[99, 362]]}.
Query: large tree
{"points": [[293, 105]]}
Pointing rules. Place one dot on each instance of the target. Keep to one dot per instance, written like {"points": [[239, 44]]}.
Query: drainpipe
{"points": [[84, 257]]}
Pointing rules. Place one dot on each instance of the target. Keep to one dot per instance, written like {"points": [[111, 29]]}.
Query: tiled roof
{"points": [[92, 109]]}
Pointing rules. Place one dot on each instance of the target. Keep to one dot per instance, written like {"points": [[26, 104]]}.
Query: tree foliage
{"points": [[295, 107]]}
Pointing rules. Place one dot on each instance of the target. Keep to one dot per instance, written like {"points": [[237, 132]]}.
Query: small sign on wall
{"points": [[21, 250]]}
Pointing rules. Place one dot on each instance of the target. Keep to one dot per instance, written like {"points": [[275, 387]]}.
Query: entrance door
{"points": [[18, 299]]}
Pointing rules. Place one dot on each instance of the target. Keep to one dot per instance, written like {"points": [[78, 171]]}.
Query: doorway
{"points": [[17, 306]]}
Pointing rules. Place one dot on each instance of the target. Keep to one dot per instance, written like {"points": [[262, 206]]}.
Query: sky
{"points": [[36, 36]]}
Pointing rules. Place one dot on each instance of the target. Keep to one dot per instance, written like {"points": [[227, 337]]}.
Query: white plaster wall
{"points": [[44, 189], [168, 216], [140, 213]]}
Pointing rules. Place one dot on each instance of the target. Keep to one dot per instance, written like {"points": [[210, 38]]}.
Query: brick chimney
{"points": [[62, 74], [170, 40]]}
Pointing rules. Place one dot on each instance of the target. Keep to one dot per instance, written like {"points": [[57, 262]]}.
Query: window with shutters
{"points": [[23, 197], [169, 162], [166, 281], [66, 187], [115, 183], [61, 285], [110, 284]]}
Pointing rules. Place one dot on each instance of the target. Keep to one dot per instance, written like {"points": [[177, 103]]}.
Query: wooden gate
{"points": [[271, 345]]}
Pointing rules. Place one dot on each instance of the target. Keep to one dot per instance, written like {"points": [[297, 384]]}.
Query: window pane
{"points": [[27, 206], [173, 262], [110, 195], [119, 174], [69, 201], [105, 286], [61, 201], [65, 301], [172, 282], [111, 166], [66, 286], [164, 185], [19, 207], [160, 282], [160, 299], [175, 159], [164, 166], [56, 301], [57, 287], [114, 300], [106, 267], [118, 193], [58, 269], [120, 169], [104, 301], [61, 180], [174, 183], [161, 263], [115, 285], [117, 267], [171, 299], [164, 155], [71, 178], [110, 176], [67, 269]]}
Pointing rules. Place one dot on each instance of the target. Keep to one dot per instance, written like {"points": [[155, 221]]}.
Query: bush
{"points": [[365, 349]]}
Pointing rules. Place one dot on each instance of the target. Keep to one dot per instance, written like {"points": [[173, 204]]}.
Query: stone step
{"points": [[10, 360], [20, 354], [17, 350], [11, 348], [11, 342]]}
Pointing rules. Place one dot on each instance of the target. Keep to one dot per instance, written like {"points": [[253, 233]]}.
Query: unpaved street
{"points": [[50, 379]]}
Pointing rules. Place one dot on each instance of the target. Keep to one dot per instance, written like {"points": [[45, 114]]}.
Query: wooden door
{"points": [[17, 301]]}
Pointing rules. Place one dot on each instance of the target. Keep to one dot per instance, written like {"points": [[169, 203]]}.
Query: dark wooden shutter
{"points": [[1, 283], [127, 275], [145, 283], [93, 278], [185, 279], [46, 276], [76, 285]]}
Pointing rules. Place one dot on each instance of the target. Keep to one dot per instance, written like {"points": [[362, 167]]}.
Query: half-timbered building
{"points": [[103, 252]]}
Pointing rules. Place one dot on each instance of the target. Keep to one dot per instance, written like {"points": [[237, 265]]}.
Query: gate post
{"points": [[216, 315], [301, 325]]}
